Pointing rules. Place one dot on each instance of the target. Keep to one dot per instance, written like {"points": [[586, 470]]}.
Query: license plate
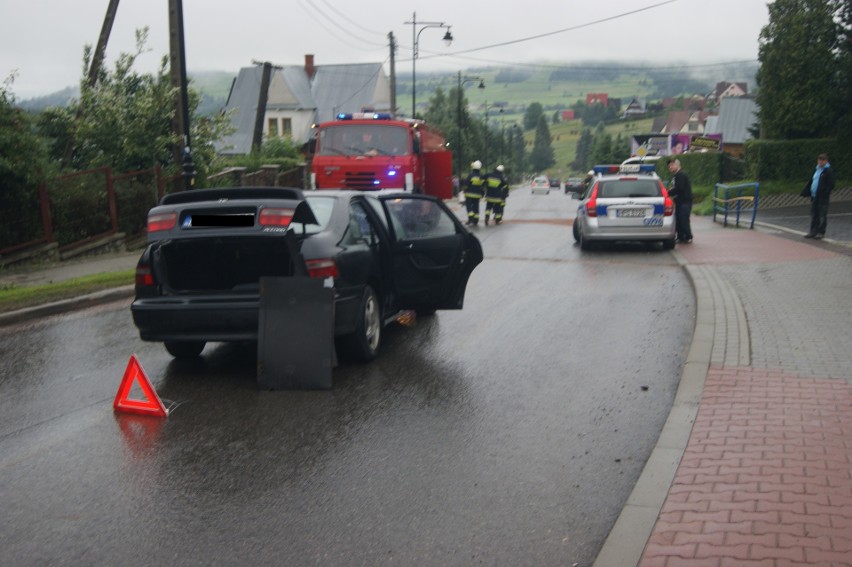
{"points": [[630, 213]]}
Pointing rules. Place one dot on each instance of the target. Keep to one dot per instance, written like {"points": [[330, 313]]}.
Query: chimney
{"points": [[309, 66]]}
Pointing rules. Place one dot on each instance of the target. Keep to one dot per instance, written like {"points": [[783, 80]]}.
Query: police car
{"points": [[625, 203]]}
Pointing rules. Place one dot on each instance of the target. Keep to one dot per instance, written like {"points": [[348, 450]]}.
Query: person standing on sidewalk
{"points": [[680, 189], [818, 188], [496, 191], [474, 191]]}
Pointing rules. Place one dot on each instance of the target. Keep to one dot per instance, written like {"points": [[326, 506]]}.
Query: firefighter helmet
{"points": [[500, 168], [476, 165]]}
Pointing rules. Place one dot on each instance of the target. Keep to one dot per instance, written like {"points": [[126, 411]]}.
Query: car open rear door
{"points": [[433, 254]]}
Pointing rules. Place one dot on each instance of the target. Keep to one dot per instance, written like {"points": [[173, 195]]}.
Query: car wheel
{"points": [[585, 244], [576, 231], [363, 344], [668, 244], [184, 349]]}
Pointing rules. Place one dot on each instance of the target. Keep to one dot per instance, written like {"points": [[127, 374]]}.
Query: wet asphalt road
{"points": [[508, 433]]}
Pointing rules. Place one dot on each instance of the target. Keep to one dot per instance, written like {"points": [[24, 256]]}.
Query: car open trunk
{"points": [[223, 265]]}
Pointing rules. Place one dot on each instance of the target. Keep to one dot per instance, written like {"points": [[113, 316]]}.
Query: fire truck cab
{"points": [[369, 151]]}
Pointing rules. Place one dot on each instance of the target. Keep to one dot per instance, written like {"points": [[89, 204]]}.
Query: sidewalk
{"points": [[753, 466]]}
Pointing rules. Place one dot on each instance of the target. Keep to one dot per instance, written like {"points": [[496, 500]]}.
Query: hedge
{"points": [[794, 159]]}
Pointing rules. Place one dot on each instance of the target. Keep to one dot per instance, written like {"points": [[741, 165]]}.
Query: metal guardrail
{"points": [[736, 201]]}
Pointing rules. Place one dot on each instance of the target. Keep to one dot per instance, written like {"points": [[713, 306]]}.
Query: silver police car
{"points": [[625, 203]]}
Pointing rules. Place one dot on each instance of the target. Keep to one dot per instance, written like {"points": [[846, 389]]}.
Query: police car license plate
{"points": [[630, 213]]}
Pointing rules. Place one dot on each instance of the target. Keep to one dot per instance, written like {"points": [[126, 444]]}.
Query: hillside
{"points": [[509, 90]]}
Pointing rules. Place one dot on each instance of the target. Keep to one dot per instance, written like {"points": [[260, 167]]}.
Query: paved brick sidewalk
{"points": [[754, 465], [766, 476]]}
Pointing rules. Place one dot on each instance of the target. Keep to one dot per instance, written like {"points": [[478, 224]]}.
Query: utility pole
{"points": [[94, 69], [177, 58], [262, 99], [392, 73]]}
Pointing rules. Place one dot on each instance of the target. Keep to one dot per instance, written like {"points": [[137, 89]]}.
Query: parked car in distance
{"points": [[555, 183], [625, 203], [540, 184], [575, 185], [383, 252]]}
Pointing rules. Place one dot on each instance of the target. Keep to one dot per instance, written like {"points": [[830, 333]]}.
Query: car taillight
{"points": [[668, 204], [322, 268], [592, 204], [276, 217], [144, 277], [161, 221]]}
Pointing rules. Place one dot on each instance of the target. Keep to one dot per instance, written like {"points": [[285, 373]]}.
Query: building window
{"points": [[286, 128], [272, 128]]}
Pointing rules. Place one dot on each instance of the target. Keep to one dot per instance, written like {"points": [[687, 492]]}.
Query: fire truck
{"points": [[370, 150]]}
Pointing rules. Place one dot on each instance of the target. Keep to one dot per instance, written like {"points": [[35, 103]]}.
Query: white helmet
{"points": [[500, 168], [476, 165], [591, 173]]}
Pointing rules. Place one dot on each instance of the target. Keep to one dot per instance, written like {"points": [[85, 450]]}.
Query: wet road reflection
{"points": [[510, 432]]}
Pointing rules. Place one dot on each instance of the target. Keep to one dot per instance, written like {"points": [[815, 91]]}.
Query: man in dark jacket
{"points": [[680, 189], [496, 190], [818, 188], [474, 191]]}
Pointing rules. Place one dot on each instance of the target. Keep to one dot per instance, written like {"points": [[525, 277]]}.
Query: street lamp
{"points": [[459, 156], [415, 36]]}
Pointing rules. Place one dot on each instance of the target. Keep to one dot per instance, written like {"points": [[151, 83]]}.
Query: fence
{"points": [[735, 201], [73, 210], [77, 209]]}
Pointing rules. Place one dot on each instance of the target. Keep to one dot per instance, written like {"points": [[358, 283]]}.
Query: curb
{"points": [[626, 541], [65, 305]]}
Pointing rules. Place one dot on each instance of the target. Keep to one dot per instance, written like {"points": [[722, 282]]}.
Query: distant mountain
{"points": [[60, 98], [550, 85], [213, 86]]}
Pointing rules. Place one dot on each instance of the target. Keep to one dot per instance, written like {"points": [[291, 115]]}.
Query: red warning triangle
{"points": [[150, 406]]}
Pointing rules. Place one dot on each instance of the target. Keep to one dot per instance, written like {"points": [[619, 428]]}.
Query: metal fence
{"points": [[76, 209]]}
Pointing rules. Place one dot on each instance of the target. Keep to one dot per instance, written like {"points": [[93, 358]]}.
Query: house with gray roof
{"points": [[298, 97], [736, 116]]}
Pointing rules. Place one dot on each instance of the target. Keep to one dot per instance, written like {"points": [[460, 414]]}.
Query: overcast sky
{"points": [[42, 40]]}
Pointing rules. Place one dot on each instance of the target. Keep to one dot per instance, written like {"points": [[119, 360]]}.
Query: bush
{"points": [[794, 160]]}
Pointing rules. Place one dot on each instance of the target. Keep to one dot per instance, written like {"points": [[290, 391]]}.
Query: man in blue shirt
{"points": [[819, 188]]}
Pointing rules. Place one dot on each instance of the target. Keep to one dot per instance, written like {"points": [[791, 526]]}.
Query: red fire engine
{"points": [[368, 151]]}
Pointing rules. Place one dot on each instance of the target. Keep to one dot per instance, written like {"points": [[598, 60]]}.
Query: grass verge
{"points": [[17, 297]]}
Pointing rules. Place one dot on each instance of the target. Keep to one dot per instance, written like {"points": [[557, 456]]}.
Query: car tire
{"points": [[668, 244], [576, 231], [585, 243], [363, 344], [184, 349]]}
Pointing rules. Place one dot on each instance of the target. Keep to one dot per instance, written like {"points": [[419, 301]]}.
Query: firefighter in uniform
{"points": [[496, 191], [474, 191]]}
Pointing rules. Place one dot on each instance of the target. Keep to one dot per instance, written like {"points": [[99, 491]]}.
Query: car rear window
{"points": [[629, 188], [322, 208]]}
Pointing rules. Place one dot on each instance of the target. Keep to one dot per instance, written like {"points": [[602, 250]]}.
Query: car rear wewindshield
{"points": [[629, 188], [322, 208]]}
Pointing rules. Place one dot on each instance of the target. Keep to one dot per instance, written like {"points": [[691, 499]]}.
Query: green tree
{"points": [[458, 126], [531, 116], [844, 18], [799, 87], [541, 156], [602, 150], [584, 150], [23, 163], [125, 120]]}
